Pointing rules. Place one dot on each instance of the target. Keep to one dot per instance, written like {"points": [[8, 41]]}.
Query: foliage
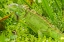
{"points": [[32, 20]]}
